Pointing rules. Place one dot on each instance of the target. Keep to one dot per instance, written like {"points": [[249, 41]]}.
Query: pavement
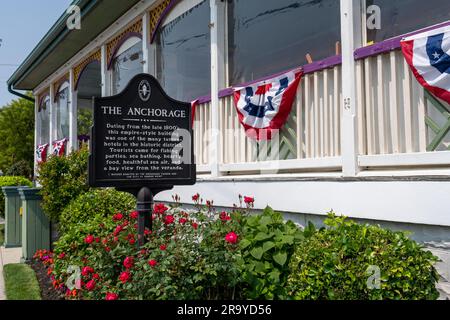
{"points": [[7, 256]]}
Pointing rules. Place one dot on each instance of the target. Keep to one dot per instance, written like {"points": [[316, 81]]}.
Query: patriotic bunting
{"points": [[263, 108], [59, 147], [41, 153], [428, 55]]}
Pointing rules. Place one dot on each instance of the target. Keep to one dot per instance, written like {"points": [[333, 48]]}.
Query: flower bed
{"points": [[205, 254]]}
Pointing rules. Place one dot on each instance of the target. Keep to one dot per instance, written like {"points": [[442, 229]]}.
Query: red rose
{"points": [[183, 220], [89, 239], [125, 277], [96, 276], [118, 217], [111, 296], [195, 226], [169, 219], [225, 217], [152, 263], [107, 249], [160, 208], [90, 285], [196, 197], [86, 271], [231, 238], [132, 241], [118, 230], [62, 256], [128, 262], [163, 247], [97, 240], [249, 200], [134, 215], [147, 232]]}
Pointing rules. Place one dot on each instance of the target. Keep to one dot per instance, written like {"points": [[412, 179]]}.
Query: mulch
{"points": [[45, 283]]}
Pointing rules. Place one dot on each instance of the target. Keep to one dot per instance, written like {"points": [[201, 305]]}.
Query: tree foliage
{"points": [[16, 134]]}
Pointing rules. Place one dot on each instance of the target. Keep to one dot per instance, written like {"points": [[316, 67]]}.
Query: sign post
{"points": [[142, 143]]}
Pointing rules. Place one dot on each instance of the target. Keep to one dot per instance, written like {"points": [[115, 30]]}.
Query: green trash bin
{"points": [[13, 218], [36, 232]]}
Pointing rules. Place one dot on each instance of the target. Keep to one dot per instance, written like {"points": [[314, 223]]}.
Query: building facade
{"points": [[363, 139]]}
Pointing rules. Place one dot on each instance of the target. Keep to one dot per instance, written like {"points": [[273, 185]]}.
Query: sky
{"points": [[23, 23]]}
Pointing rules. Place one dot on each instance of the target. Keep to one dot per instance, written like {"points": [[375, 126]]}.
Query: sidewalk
{"points": [[7, 256]]}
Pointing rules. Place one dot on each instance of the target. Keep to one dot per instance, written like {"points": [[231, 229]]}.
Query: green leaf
{"points": [[267, 246], [257, 253], [280, 258], [244, 243], [263, 236]]}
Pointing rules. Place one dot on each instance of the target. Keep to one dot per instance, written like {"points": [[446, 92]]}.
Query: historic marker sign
{"points": [[141, 138]]}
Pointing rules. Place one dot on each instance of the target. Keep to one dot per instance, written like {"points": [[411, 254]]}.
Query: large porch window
{"points": [[266, 37], [403, 16], [183, 54], [44, 121], [127, 63], [62, 112]]}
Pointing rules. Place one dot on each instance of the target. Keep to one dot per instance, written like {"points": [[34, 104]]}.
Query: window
{"points": [[62, 113], [266, 37], [44, 122], [183, 54], [127, 63], [403, 16]]}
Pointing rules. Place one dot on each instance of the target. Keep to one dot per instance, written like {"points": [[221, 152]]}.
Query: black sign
{"points": [[141, 137]]}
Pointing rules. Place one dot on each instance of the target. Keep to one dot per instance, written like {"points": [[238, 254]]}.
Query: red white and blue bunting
{"points": [[263, 108], [59, 147], [41, 153], [428, 55]]}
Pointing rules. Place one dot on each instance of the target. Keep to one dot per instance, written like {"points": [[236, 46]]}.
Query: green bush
{"points": [[95, 203], [62, 179], [267, 246], [342, 262], [21, 168], [11, 182]]}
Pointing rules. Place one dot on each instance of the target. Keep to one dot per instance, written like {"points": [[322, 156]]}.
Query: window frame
{"points": [[64, 86]]}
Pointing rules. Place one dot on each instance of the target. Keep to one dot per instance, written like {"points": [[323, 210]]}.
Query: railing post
{"points": [[217, 80], [351, 38]]}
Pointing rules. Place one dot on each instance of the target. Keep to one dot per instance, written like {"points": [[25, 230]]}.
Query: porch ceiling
{"points": [[61, 44]]}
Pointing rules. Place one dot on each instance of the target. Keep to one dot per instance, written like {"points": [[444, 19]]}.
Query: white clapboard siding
{"points": [[391, 106]]}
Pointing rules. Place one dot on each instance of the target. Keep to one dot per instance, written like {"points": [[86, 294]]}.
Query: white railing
{"points": [[202, 132]]}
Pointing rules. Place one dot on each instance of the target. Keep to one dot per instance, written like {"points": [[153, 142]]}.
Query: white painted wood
{"points": [[295, 164], [361, 112], [394, 105], [385, 200], [52, 128], [406, 159], [148, 57], [351, 39], [381, 107], [106, 77], [37, 130], [73, 114], [407, 101]]}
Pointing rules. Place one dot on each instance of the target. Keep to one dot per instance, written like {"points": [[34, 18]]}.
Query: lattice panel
{"points": [[96, 56], [155, 15], [111, 46]]}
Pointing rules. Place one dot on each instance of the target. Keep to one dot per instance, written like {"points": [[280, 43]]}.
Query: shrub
{"points": [[62, 179], [267, 246], [93, 204], [11, 182], [341, 262], [20, 168], [189, 255]]}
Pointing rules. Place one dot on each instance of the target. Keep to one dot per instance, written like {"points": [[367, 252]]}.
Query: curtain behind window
{"points": [[62, 114], [44, 123], [126, 66]]}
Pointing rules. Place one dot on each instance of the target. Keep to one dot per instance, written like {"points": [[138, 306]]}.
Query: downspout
{"points": [[12, 91]]}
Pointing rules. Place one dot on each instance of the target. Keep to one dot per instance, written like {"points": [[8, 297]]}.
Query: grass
{"points": [[2, 234], [21, 282]]}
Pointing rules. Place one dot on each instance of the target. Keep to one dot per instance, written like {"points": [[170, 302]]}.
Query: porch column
{"points": [[37, 130], [147, 48], [217, 27], [52, 116], [351, 39], [73, 114], [106, 78]]}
